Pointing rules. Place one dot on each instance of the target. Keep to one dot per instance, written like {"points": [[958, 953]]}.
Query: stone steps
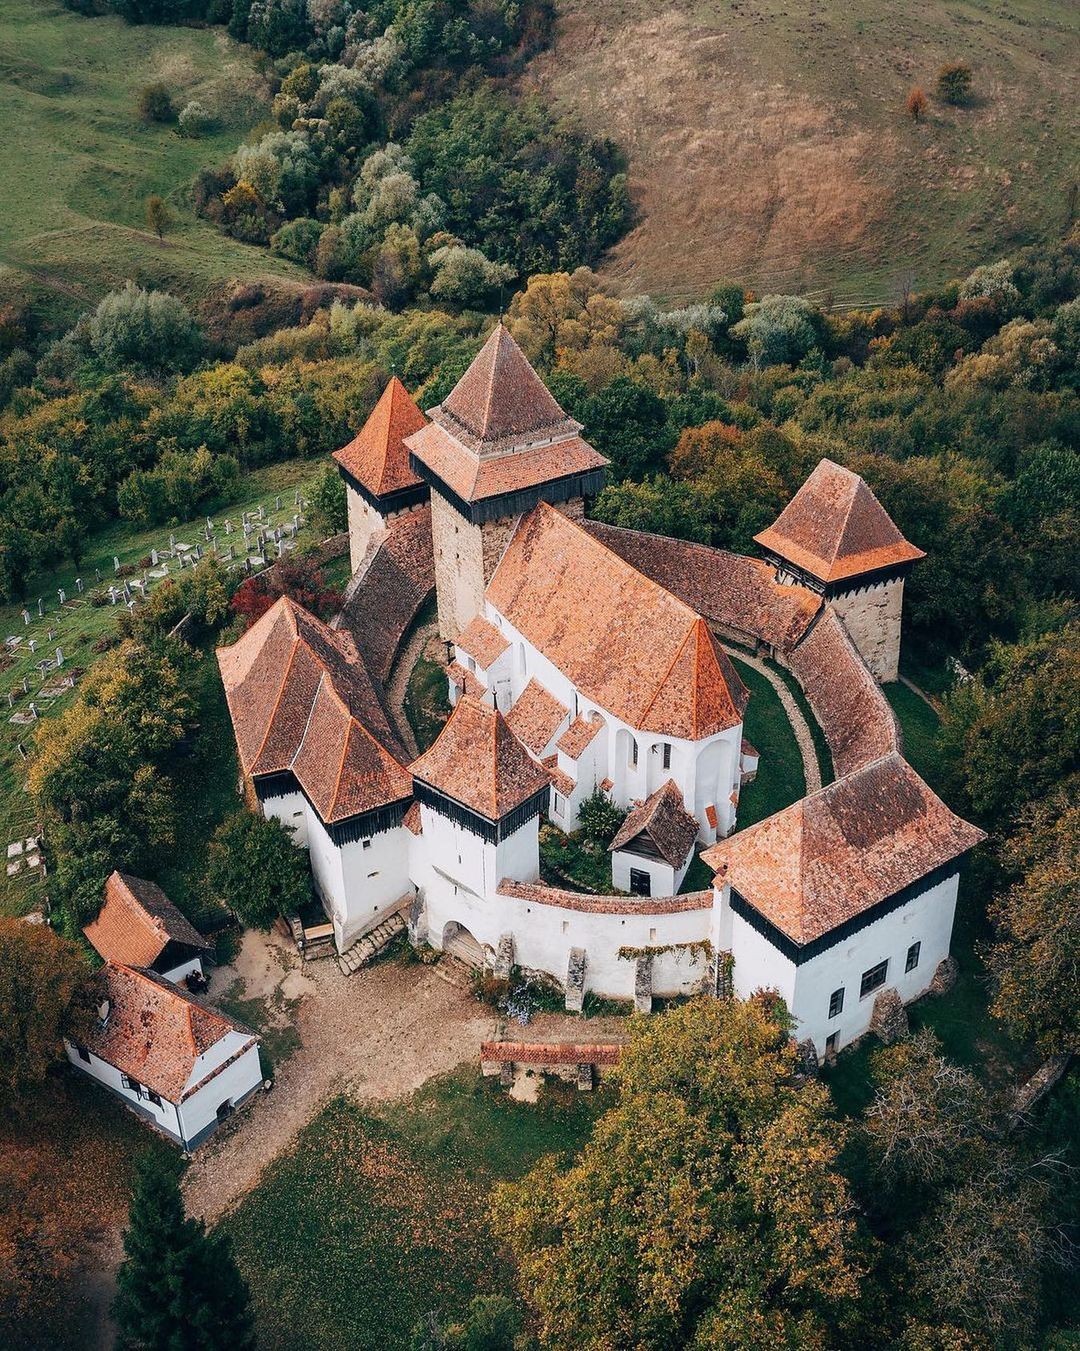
{"points": [[371, 944]]}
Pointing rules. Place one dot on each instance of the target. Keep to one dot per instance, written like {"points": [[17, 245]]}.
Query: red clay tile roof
{"points": [[579, 735], [501, 401], [384, 602], [136, 923], [840, 851], [735, 593], [477, 761], [551, 1053], [664, 819], [834, 527], [500, 430], [155, 1031], [482, 641], [473, 478], [845, 698], [538, 893], [411, 821], [465, 680], [301, 699], [536, 716], [376, 456], [622, 639], [563, 783]]}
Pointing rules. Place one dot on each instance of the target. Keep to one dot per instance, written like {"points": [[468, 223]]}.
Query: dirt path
{"points": [[376, 1035], [927, 699], [811, 768]]}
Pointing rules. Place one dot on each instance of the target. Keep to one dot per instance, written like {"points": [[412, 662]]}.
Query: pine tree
{"points": [[178, 1286]]}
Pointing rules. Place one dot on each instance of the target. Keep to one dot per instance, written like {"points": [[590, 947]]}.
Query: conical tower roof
{"points": [[501, 432], [479, 762], [835, 528], [376, 457]]}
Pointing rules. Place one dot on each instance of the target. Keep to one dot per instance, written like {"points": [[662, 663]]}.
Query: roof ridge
{"points": [[852, 495], [280, 694], [662, 684]]}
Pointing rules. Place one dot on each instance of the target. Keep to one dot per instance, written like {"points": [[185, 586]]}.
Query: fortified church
{"points": [[583, 657]]}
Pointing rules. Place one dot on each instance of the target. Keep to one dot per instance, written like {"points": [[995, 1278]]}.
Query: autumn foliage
{"points": [[915, 104], [298, 578]]}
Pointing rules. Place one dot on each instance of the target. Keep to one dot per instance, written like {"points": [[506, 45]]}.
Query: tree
{"points": [[256, 870], [40, 973], [777, 329], [1035, 957], [492, 1323], [660, 506], [178, 1286], [151, 330], [600, 818], [628, 423], [915, 104], [298, 578], [158, 215], [954, 82], [327, 505], [155, 103], [464, 276], [707, 1209]]}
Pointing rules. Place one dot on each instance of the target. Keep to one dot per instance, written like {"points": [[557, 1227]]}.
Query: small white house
{"points": [[138, 925], [845, 894], [174, 1059], [653, 847]]}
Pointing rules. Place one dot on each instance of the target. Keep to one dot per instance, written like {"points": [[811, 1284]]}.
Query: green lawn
{"points": [[427, 701], [209, 779], [77, 164], [919, 724], [373, 1221], [780, 780]]}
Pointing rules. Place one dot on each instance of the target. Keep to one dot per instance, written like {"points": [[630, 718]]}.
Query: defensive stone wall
{"points": [[872, 616]]}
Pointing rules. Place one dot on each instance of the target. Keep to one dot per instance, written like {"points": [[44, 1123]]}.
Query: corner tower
{"points": [[379, 481], [836, 538], [495, 447]]}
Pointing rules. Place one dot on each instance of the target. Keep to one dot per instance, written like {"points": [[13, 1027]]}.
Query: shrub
{"points": [[915, 104], [954, 83], [155, 103], [195, 119], [298, 240], [147, 329]]}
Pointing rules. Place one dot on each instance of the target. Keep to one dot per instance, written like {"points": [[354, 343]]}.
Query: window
{"points": [[84, 1054], [558, 804], [633, 753], [912, 957], [640, 882], [154, 1098], [836, 1003], [131, 1084], [832, 1044], [366, 844], [873, 978], [667, 754]]}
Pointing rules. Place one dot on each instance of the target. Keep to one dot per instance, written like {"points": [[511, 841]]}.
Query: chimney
{"points": [[103, 1011]]}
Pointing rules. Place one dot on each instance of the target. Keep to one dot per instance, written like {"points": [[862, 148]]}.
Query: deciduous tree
{"points": [[40, 972], [158, 215], [256, 870]]}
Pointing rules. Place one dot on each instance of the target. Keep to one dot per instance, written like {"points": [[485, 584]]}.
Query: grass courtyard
{"points": [[376, 1219]]}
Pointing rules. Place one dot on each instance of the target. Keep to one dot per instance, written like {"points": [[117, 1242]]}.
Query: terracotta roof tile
{"points": [[137, 922], [412, 820], [834, 527], [376, 457], [623, 640], [536, 717], [551, 1053], [579, 735], [735, 593], [387, 598], [845, 698], [482, 641], [155, 1031], [843, 849], [477, 761], [301, 699], [465, 680], [563, 782], [537, 893], [474, 479], [663, 818]]}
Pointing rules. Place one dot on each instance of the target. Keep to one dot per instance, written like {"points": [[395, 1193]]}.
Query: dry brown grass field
{"points": [[769, 144]]}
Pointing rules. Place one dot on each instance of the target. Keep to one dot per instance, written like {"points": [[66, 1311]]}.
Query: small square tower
{"points": [[496, 446]]}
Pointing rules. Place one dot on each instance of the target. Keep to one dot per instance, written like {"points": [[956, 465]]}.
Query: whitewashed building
{"points": [[174, 1059], [138, 925]]}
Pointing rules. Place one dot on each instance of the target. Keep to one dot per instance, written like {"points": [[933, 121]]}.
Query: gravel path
{"points": [[378, 1034], [811, 768]]}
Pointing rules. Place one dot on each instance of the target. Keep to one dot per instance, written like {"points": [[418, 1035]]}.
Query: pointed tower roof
{"points": [[479, 762], [843, 850], [834, 528], [376, 457], [500, 431]]}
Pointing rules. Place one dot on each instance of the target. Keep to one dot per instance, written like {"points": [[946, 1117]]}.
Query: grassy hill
{"points": [[768, 142], [77, 164]]}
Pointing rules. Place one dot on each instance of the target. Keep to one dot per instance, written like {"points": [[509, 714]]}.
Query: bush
{"points": [[155, 103], [147, 329], [298, 240], [954, 83], [195, 119]]}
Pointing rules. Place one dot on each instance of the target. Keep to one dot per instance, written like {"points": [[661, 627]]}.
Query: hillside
{"points": [[77, 164], [768, 142]]}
